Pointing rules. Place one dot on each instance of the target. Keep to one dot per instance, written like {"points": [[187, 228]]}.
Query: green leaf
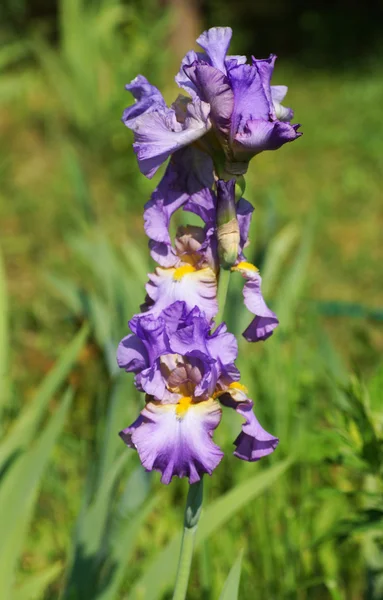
{"points": [[18, 493], [104, 534], [122, 546], [161, 572], [290, 289], [36, 585], [3, 336], [27, 424], [278, 251], [88, 539], [231, 588]]}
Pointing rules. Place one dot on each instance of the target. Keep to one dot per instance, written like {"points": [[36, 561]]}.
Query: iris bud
{"points": [[227, 223]]}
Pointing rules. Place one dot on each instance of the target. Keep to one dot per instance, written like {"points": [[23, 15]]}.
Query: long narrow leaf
{"points": [[277, 253], [3, 336], [36, 585], [231, 588], [18, 494], [161, 572], [122, 549], [26, 426]]}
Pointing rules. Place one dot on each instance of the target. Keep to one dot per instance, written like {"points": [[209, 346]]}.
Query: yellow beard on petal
{"points": [[180, 272], [244, 266], [238, 386], [235, 386], [183, 405]]}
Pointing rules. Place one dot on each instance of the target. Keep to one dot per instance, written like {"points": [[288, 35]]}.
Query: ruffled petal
{"points": [[176, 440], [158, 134], [278, 92], [181, 79], [265, 68], [153, 333], [253, 442], [214, 88], [223, 346], [158, 212], [196, 287], [191, 336], [188, 176], [262, 135], [233, 60], [162, 252], [250, 102], [265, 321], [174, 316], [216, 42], [148, 99], [152, 382], [131, 354], [204, 205], [261, 328]]}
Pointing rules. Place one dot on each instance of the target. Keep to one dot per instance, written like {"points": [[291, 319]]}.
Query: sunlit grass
{"points": [[72, 237]]}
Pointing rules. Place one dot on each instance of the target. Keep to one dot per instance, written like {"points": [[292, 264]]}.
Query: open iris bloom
{"points": [[187, 373], [180, 352], [189, 269], [232, 114]]}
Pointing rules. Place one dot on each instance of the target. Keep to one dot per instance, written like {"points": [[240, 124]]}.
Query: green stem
{"points": [[195, 494], [223, 286], [192, 514]]}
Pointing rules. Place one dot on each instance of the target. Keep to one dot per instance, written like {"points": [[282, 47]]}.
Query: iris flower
{"points": [[189, 269], [188, 374], [233, 112]]}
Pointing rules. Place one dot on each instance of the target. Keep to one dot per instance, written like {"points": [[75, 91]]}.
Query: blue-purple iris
{"points": [[181, 360], [187, 373], [189, 269], [232, 112]]}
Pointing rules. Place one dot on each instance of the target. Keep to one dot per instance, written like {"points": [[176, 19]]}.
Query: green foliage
{"points": [[309, 519], [24, 454], [231, 588]]}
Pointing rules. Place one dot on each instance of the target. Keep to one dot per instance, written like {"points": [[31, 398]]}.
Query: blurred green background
{"points": [[78, 516]]}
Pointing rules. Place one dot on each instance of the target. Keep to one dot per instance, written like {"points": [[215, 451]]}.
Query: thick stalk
{"points": [[192, 514], [195, 494], [223, 286]]}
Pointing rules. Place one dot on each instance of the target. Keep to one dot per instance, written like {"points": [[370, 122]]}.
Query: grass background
{"points": [[79, 518]]}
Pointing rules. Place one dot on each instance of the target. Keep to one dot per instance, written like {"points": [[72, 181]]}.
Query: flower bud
{"points": [[227, 224]]}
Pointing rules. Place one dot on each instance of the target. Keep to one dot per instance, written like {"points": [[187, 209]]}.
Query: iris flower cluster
{"points": [[182, 359]]}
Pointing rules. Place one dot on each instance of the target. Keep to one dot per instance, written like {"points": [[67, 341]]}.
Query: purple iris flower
{"points": [[189, 275], [245, 109], [233, 114], [188, 373], [159, 131], [189, 269]]}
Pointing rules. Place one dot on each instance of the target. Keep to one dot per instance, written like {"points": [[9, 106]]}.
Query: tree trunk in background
{"points": [[186, 25]]}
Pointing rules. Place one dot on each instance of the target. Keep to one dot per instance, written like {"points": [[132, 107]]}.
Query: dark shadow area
{"points": [[337, 35]]}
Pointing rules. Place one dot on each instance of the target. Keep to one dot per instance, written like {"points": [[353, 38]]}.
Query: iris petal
{"points": [[176, 445]]}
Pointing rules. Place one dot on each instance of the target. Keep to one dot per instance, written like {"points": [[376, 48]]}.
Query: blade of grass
{"points": [[18, 493], [290, 289], [161, 572], [26, 426], [122, 546], [231, 588], [278, 251], [3, 336], [36, 585]]}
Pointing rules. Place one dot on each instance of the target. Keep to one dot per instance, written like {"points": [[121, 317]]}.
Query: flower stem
{"points": [[223, 286], [195, 493], [192, 514]]}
